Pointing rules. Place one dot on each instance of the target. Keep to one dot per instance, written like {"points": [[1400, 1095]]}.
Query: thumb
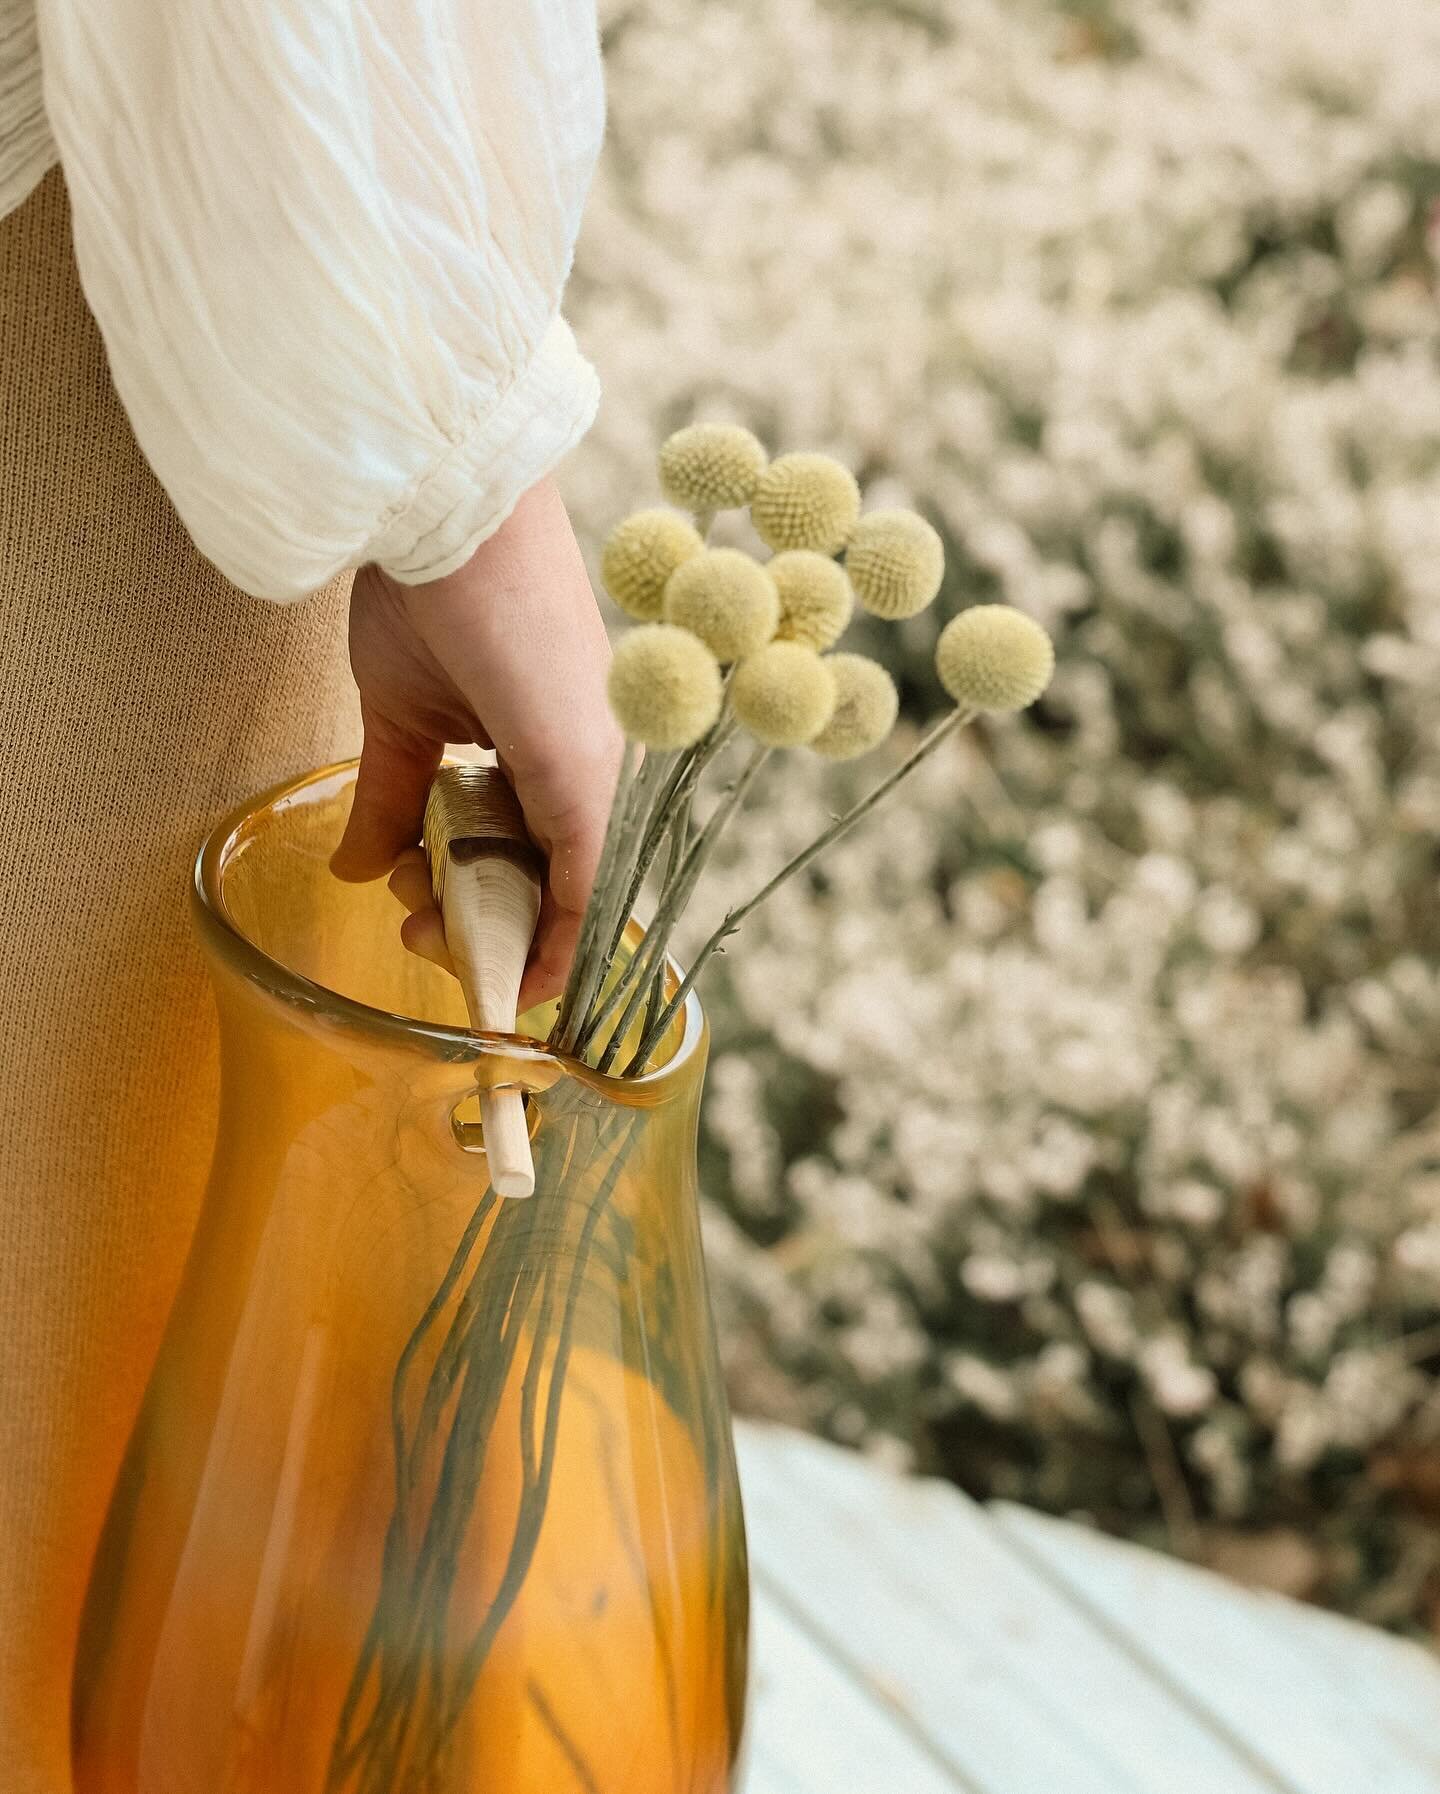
{"points": [[389, 804]]}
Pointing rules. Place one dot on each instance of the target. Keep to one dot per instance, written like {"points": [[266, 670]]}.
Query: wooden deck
{"points": [[908, 1641]]}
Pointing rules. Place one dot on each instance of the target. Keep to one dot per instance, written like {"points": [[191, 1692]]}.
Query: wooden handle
{"points": [[487, 881]]}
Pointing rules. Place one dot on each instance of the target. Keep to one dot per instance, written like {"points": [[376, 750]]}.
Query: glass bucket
{"points": [[430, 1492]]}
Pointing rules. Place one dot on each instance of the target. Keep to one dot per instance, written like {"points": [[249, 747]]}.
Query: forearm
{"points": [[328, 259]]}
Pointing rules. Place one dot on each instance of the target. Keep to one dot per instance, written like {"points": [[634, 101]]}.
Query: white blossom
{"points": [[1103, 1059]]}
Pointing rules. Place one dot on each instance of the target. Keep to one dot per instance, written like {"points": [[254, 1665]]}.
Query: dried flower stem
{"points": [[414, 1679], [651, 952], [609, 908], [676, 797], [679, 844], [655, 1031], [575, 1001], [678, 789]]}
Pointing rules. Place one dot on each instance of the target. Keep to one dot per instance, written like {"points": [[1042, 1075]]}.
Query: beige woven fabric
{"points": [[141, 695]]}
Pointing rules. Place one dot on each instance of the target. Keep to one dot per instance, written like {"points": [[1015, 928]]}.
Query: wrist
{"points": [[504, 561]]}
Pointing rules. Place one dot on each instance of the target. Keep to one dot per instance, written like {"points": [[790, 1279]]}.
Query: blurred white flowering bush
{"points": [[1076, 1128]]}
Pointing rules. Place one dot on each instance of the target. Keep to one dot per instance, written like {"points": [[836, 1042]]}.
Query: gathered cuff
{"points": [[479, 480]]}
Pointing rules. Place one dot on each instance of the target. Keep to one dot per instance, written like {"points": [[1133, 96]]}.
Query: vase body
{"points": [[431, 1493]]}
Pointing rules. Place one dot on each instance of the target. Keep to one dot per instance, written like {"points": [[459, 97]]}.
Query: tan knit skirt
{"points": [[140, 696]]}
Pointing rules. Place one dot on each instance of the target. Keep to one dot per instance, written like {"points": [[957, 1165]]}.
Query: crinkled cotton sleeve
{"points": [[326, 244]]}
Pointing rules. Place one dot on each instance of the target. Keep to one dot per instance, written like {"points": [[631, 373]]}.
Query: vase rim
{"points": [[446, 1042]]}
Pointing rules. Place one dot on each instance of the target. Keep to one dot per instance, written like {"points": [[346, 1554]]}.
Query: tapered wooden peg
{"points": [[486, 875]]}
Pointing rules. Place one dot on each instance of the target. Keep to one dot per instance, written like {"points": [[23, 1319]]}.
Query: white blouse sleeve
{"points": [[325, 243]]}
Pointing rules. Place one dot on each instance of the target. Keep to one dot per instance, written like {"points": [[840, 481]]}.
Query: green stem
{"points": [[418, 1601], [651, 952], [537, 1470], [608, 901], [575, 1026], [679, 788], [655, 1031], [620, 805], [679, 843], [608, 1001]]}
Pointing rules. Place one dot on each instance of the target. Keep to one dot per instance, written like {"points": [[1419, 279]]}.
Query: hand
{"points": [[507, 652]]}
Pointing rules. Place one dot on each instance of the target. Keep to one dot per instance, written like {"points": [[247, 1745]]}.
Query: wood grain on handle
{"points": [[486, 877]]}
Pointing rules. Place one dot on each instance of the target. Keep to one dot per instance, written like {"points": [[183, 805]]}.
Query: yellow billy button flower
{"points": [[727, 599], [640, 555], [896, 561], [992, 657], [711, 467], [664, 686], [866, 705], [815, 598], [783, 695], [805, 501]]}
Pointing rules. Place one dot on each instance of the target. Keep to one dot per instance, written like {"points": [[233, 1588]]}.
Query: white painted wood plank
{"points": [[1401, 1680], [1015, 1687], [813, 1730], [1329, 1718]]}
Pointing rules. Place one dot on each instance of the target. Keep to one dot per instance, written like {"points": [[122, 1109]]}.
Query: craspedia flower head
{"points": [[664, 686], [993, 657], [711, 467], [866, 705], [783, 695], [727, 599], [896, 562], [639, 556], [805, 501], [815, 598]]}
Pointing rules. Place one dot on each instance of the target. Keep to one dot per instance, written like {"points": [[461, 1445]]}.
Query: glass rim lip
{"points": [[454, 1044]]}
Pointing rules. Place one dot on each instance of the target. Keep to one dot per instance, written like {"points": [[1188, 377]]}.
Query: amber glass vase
{"points": [[431, 1493]]}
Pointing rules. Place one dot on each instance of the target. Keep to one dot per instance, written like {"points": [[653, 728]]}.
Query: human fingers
{"points": [[424, 935], [410, 881], [388, 807]]}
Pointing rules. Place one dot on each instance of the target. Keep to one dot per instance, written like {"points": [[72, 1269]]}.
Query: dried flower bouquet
{"points": [[733, 653], [732, 659]]}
